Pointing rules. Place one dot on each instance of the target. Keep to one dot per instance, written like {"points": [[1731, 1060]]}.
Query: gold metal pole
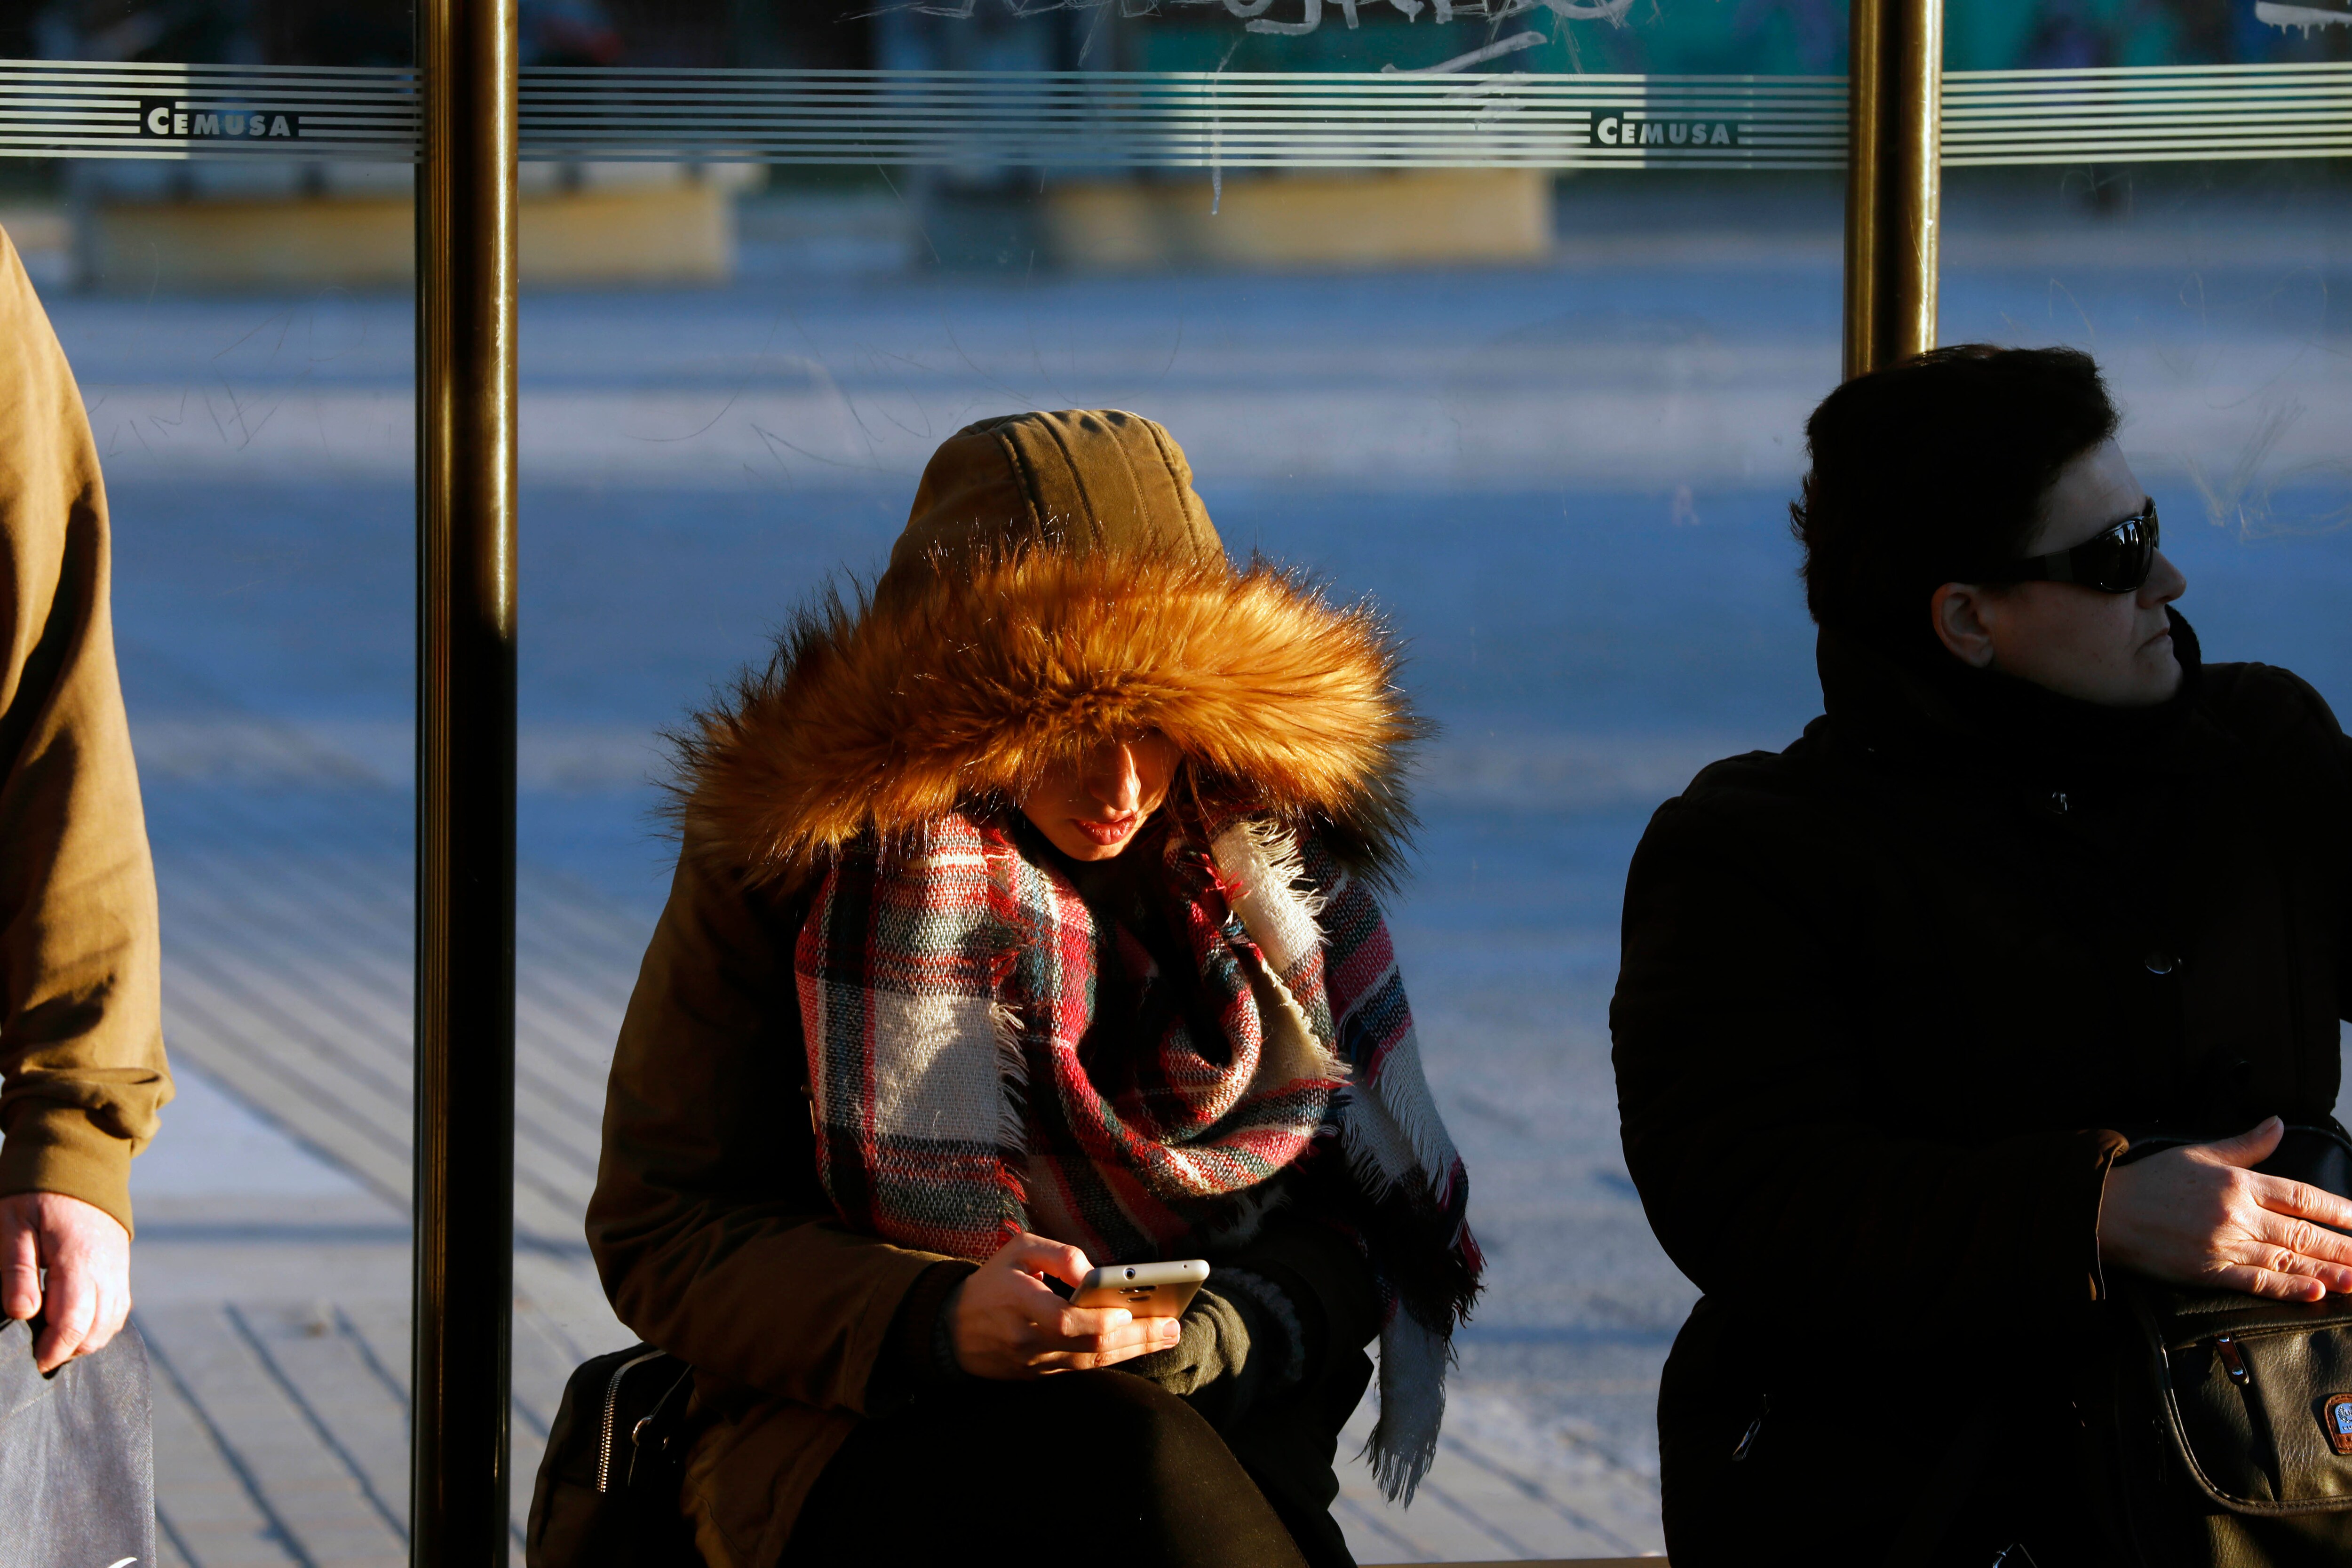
{"points": [[465, 783], [1892, 191]]}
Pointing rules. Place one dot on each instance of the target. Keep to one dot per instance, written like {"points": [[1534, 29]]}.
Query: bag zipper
{"points": [[2226, 1347], [612, 1418]]}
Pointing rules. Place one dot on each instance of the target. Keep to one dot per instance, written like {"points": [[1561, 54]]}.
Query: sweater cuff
{"points": [[907, 1365], [1272, 1319], [56, 1149], [2107, 1148]]}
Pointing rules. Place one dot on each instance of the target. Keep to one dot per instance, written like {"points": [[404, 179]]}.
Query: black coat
{"points": [[1887, 999]]}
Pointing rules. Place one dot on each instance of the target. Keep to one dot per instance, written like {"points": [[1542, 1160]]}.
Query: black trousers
{"points": [[1079, 1465]]}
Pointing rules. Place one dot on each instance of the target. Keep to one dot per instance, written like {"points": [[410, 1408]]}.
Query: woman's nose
{"points": [[2165, 583], [1115, 781]]}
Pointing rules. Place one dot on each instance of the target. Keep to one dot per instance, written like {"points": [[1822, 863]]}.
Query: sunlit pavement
{"points": [[1567, 485]]}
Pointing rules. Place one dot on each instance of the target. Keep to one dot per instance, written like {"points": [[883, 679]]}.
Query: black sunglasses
{"points": [[2117, 561]]}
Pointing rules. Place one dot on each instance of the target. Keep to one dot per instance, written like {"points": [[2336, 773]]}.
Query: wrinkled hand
{"points": [[87, 1255], [2197, 1215], [1005, 1324]]}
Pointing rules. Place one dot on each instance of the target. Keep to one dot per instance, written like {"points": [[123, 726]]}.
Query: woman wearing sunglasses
{"points": [[1893, 1000]]}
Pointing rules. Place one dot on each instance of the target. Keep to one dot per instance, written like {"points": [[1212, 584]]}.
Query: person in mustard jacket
{"points": [[82, 1073], [1025, 920]]}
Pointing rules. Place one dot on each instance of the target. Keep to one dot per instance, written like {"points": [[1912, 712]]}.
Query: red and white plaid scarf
{"points": [[964, 1092]]}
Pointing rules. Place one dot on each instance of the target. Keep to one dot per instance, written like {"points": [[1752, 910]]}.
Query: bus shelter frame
{"points": [[466, 678], [463, 1308]]}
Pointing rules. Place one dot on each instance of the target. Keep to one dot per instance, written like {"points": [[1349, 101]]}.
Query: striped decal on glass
{"points": [[2147, 115], [82, 109], [1077, 120]]}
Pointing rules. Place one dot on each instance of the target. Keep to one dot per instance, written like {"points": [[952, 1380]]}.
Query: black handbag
{"points": [[2223, 1432], [607, 1492]]}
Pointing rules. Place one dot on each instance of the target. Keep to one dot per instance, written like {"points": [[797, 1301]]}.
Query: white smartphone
{"points": [[1145, 1290]]}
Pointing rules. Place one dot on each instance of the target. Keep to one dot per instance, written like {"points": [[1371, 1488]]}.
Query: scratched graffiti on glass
{"points": [[1256, 14]]}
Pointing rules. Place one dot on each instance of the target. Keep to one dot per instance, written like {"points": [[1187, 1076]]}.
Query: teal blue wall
{"points": [[1737, 37]]}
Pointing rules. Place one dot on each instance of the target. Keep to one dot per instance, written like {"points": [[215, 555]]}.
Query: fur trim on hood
{"points": [[961, 691]]}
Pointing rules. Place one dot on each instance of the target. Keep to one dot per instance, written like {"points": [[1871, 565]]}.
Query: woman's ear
{"points": [[1958, 611]]}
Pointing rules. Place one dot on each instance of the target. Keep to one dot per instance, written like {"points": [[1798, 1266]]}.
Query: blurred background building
{"points": [[214, 224]]}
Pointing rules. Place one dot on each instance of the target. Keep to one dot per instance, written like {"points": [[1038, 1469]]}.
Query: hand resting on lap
{"points": [[2198, 1216], [1005, 1324]]}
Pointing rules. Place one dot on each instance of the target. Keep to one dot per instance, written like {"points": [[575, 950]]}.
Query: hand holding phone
{"points": [[1004, 1322]]}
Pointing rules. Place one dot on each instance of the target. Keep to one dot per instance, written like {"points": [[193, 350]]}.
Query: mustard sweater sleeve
{"points": [[82, 1044]]}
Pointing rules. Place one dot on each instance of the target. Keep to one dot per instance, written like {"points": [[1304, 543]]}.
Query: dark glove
{"points": [[1236, 1344]]}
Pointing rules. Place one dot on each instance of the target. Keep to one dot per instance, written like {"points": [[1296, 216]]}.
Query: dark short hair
{"points": [[1932, 471]]}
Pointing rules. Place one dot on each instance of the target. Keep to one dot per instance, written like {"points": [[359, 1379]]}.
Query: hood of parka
{"points": [[1058, 584], [1086, 481]]}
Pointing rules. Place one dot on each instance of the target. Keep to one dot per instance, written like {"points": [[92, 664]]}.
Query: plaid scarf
{"points": [[987, 1057]]}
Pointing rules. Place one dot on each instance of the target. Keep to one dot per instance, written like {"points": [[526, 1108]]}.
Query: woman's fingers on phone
{"points": [[1037, 1254], [1108, 1354], [1087, 1361], [1142, 1337], [1004, 1316], [1080, 1322], [1098, 1331], [1066, 1331], [1151, 1336], [1101, 1331]]}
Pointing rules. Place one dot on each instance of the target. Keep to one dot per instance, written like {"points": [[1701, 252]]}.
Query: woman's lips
{"points": [[1107, 833]]}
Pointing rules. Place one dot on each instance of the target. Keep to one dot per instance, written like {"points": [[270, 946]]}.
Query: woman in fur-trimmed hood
{"points": [[1045, 872]]}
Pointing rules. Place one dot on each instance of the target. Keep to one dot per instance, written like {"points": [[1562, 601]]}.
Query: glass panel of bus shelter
{"points": [[1423, 294], [2169, 195], [212, 202]]}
